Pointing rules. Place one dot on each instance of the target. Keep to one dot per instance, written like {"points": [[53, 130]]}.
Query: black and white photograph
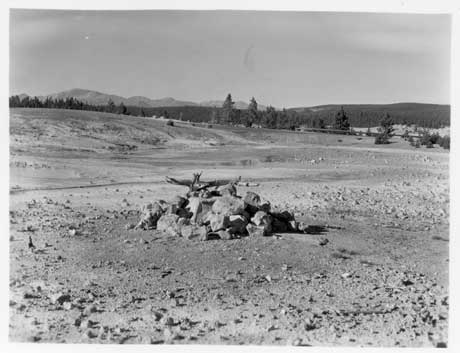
{"points": [[229, 177]]}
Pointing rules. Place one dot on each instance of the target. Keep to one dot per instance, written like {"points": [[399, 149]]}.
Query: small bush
{"points": [[444, 142], [382, 139], [429, 144], [209, 126], [170, 123], [425, 138]]}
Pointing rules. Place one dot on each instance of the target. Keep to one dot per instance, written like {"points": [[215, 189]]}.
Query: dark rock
{"points": [[179, 201], [284, 216], [279, 226], [237, 224], [183, 213], [263, 219], [59, 298], [255, 203]]}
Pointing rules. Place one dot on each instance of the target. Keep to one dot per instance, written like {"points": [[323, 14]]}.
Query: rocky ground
{"points": [[372, 270]]}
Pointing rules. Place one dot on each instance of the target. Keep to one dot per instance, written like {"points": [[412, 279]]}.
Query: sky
{"points": [[285, 59]]}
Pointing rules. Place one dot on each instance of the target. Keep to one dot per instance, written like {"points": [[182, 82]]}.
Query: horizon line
{"points": [[238, 100]]}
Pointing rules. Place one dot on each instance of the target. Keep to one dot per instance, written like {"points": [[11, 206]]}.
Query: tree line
{"points": [[327, 118], [68, 103]]}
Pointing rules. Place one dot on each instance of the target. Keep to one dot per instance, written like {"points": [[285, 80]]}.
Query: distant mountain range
{"points": [[322, 111], [99, 98]]}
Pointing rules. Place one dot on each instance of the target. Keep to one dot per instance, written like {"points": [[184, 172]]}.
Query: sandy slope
{"points": [[380, 280]]}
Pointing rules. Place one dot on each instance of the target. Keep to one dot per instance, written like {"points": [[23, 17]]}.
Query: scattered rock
{"points": [[129, 226], [323, 241], [59, 298], [89, 310]]}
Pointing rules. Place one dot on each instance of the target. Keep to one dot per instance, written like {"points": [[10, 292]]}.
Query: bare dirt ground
{"points": [[79, 178]]}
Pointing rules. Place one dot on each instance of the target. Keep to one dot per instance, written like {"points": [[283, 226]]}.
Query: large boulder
{"points": [[227, 190], [228, 206], [237, 224], [218, 222], [206, 205], [279, 226], [151, 213], [255, 203], [284, 216], [168, 223], [262, 218]]}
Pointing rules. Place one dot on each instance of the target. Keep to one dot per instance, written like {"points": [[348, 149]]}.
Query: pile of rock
{"points": [[217, 214]]}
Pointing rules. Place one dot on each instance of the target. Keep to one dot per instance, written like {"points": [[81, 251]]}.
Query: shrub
{"points": [[434, 138], [385, 131], [444, 142], [425, 138], [429, 144], [170, 123], [382, 139]]}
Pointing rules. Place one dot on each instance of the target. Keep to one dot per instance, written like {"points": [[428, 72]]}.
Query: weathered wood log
{"points": [[197, 185]]}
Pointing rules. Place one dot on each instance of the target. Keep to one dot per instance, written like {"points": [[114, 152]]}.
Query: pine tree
{"points": [[122, 109], [110, 106], [385, 130], [253, 114], [341, 121], [227, 108]]}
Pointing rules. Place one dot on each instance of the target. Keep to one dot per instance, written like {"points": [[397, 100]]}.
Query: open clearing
{"points": [[78, 178]]}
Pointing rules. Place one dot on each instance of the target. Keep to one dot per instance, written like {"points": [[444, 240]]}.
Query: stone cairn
{"points": [[205, 214]]}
